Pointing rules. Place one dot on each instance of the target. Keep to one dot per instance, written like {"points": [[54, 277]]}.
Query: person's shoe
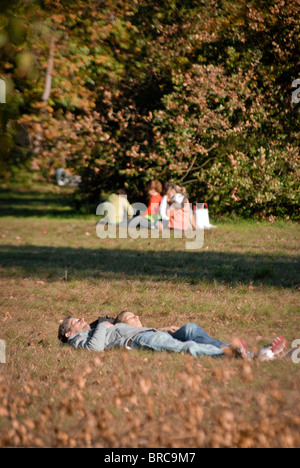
{"points": [[241, 350], [277, 349], [279, 346]]}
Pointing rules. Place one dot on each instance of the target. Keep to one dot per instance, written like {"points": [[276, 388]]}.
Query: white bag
{"points": [[202, 216]]}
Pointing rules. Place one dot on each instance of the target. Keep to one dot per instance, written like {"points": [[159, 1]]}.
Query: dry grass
{"points": [[243, 282]]}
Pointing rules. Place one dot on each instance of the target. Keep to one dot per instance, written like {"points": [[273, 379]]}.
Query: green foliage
{"points": [[187, 91]]}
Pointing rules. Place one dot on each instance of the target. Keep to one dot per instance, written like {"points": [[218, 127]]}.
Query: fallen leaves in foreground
{"points": [[149, 413]]}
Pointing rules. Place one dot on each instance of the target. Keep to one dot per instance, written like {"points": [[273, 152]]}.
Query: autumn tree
{"points": [[193, 91]]}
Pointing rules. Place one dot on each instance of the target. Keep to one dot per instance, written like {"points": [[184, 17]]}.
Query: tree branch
{"points": [[198, 167]]}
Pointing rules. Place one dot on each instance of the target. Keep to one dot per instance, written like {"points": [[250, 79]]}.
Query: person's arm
{"points": [[97, 341], [171, 213], [94, 342], [163, 209]]}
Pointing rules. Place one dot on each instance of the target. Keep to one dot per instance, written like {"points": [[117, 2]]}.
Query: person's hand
{"points": [[170, 330]]}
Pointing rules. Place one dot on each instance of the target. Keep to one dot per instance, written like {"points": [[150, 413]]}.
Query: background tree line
{"points": [[122, 91]]}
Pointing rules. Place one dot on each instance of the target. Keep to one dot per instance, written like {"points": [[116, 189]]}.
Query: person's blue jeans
{"points": [[192, 332], [163, 341]]}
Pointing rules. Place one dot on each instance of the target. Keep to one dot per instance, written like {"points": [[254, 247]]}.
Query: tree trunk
{"points": [[48, 80], [38, 138]]}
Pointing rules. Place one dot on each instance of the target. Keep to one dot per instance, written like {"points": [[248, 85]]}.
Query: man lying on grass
{"points": [[127, 331]]}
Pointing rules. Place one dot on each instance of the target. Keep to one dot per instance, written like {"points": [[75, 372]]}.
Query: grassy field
{"points": [[243, 282]]}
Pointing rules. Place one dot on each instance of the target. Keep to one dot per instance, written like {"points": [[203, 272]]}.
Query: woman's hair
{"points": [[171, 186], [155, 185], [178, 205], [167, 186], [181, 190], [63, 329]]}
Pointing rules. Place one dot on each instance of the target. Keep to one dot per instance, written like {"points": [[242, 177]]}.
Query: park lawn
{"points": [[244, 281]]}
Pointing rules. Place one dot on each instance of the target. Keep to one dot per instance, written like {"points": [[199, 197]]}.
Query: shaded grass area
{"points": [[54, 263], [41, 201], [243, 282], [43, 236]]}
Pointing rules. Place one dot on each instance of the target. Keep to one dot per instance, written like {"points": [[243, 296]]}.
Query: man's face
{"points": [[76, 326], [133, 320]]}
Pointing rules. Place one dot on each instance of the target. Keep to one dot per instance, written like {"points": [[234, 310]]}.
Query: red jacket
{"points": [[153, 207]]}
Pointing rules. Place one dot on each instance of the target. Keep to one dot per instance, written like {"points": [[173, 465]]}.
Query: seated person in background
{"points": [[151, 215], [122, 209], [176, 214]]}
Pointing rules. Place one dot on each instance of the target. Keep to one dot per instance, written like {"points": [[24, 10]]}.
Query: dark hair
{"points": [[121, 191], [118, 318], [63, 329]]}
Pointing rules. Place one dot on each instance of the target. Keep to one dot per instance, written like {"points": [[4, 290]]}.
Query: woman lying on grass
{"points": [[127, 331]]}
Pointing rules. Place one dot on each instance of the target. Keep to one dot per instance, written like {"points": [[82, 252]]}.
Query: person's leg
{"points": [[192, 332], [161, 341], [140, 221]]}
